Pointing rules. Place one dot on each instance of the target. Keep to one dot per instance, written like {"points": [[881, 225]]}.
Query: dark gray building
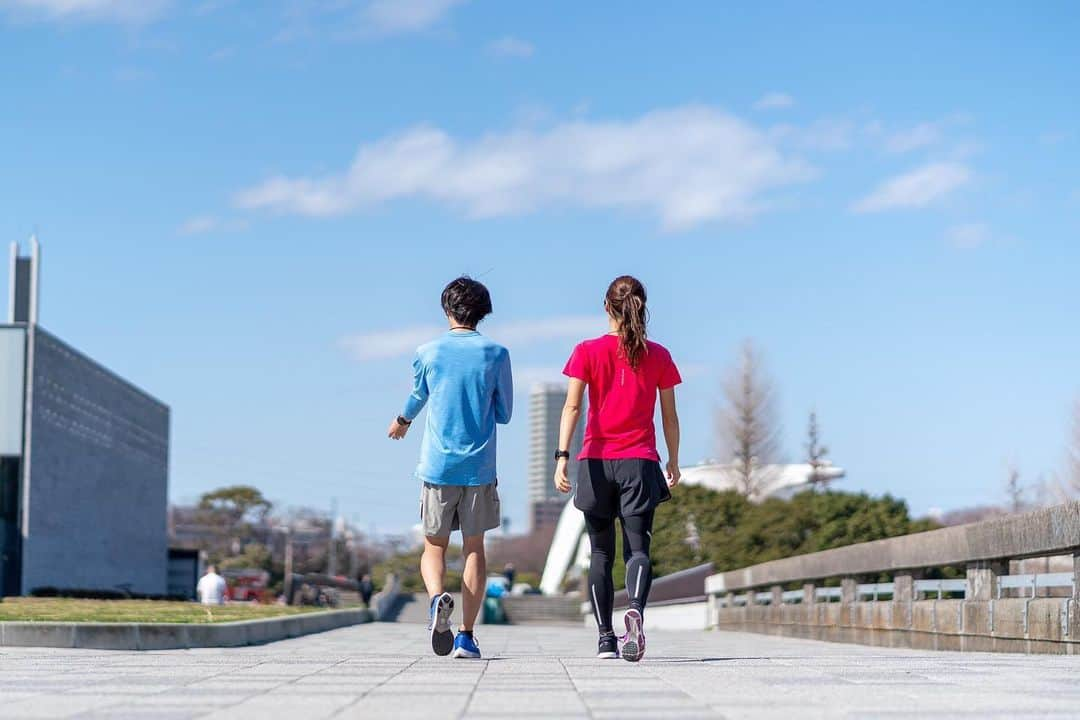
{"points": [[83, 462]]}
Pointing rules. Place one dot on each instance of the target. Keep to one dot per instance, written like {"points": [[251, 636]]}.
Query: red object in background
{"points": [[246, 585]]}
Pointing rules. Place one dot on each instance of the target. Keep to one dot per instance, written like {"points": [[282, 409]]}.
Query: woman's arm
{"points": [[571, 413], [670, 418]]}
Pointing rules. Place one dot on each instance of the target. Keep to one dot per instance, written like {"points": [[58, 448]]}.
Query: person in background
{"points": [[620, 475], [367, 589], [211, 587], [509, 572], [464, 380]]}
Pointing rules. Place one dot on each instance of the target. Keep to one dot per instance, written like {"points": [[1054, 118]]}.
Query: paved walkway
{"points": [[376, 671]]}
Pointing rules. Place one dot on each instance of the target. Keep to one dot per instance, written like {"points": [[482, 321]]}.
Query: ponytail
{"points": [[626, 302]]}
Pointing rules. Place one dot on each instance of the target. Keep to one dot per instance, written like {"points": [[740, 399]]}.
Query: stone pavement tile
{"points": [[400, 709], [308, 707], [538, 714], [181, 700], [119, 687], [235, 685], [58, 706], [509, 702], [135, 712], [695, 713], [9, 696]]}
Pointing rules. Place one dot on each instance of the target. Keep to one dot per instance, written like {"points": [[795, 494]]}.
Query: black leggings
{"points": [[637, 533]]}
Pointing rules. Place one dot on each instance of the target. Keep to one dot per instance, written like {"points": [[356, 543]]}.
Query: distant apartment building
{"points": [[546, 402], [84, 458]]}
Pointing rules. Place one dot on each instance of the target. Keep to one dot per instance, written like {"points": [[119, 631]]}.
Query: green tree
{"points": [[237, 504]]}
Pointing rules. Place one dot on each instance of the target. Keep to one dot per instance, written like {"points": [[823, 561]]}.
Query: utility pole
{"points": [[331, 542], [288, 566]]}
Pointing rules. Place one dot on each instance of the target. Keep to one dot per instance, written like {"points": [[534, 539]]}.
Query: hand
{"points": [[673, 473], [562, 480], [397, 430]]}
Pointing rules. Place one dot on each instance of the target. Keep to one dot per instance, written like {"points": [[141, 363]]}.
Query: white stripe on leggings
{"points": [[637, 583], [596, 607]]}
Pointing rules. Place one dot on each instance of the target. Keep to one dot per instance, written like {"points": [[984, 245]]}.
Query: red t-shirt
{"points": [[622, 400]]}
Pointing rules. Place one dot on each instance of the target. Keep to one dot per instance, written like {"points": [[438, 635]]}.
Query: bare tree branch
{"points": [[749, 433], [1014, 490], [1072, 460], [816, 453]]}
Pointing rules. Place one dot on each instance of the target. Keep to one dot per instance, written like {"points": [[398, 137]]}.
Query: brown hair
{"points": [[625, 302]]}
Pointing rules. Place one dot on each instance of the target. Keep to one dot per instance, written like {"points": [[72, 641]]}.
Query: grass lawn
{"points": [[147, 611]]}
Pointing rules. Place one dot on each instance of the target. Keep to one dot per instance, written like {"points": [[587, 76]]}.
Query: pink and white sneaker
{"points": [[632, 644]]}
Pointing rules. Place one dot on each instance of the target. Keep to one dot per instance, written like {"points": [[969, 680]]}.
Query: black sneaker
{"points": [[608, 648]]}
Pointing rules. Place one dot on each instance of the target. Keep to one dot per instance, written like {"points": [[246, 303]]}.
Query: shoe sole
{"points": [[461, 653], [633, 648], [442, 637], [607, 656]]}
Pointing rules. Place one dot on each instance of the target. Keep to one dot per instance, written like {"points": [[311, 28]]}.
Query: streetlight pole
{"points": [[288, 566]]}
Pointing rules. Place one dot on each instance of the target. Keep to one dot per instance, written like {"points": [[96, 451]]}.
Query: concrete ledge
{"points": [[1049, 531], [27, 634], [1049, 620], [175, 636]]}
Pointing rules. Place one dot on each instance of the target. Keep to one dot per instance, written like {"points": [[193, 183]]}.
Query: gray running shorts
{"points": [[473, 509]]}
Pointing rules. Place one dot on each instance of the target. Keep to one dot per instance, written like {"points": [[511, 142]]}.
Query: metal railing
{"points": [[873, 590], [1032, 582], [940, 587]]}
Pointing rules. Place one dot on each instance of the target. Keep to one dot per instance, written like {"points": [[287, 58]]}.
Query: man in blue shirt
{"points": [[464, 379]]}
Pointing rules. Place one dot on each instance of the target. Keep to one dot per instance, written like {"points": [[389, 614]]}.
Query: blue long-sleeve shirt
{"points": [[465, 381]]}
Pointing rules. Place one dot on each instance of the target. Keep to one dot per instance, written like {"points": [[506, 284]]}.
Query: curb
{"points": [[175, 636]]}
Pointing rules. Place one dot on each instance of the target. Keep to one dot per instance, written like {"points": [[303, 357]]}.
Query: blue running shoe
{"points": [[442, 637], [465, 646]]}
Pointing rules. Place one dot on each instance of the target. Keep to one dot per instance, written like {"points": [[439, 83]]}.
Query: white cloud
{"points": [[404, 341], [123, 11], [203, 224], [824, 135], [919, 136], [774, 101], [509, 46], [968, 236], [915, 189], [403, 16], [686, 165]]}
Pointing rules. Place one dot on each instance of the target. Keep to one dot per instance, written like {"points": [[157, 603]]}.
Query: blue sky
{"points": [[251, 215]]}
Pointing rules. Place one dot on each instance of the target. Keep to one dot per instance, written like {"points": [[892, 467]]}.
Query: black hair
{"points": [[626, 303], [467, 301]]}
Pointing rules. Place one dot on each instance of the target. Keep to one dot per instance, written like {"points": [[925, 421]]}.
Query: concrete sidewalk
{"points": [[385, 670]]}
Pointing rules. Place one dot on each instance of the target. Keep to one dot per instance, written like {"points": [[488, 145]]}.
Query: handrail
{"points": [[1032, 582], [1049, 531], [940, 586]]}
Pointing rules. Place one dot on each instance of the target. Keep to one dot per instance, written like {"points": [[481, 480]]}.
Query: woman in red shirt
{"points": [[620, 474]]}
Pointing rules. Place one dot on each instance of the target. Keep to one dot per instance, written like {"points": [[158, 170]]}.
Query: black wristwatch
{"points": [[402, 421], [561, 454]]}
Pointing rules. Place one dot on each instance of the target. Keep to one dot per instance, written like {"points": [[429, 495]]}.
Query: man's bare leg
{"points": [[433, 564], [432, 569], [473, 580]]}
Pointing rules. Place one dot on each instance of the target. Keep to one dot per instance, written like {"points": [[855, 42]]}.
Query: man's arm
{"points": [[414, 403], [504, 392]]}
